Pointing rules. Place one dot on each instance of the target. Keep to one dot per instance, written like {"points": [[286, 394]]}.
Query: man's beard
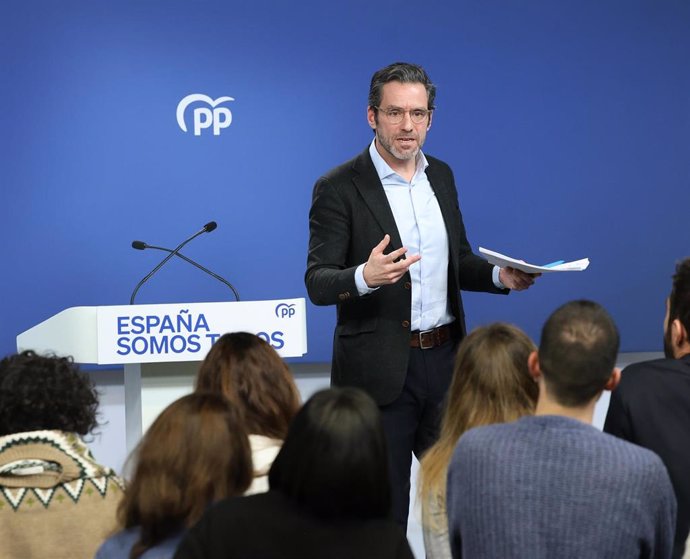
{"points": [[390, 148], [668, 344]]}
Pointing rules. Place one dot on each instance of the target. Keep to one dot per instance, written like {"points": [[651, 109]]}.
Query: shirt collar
{"points": [[384, 170]]}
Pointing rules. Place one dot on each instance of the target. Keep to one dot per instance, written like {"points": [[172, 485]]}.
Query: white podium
{"points": [[138, 335]]}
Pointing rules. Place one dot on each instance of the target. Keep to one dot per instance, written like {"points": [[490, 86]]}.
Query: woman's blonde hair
{"points": [[491, 384]]}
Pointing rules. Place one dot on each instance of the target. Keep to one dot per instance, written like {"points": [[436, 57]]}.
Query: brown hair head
{"points": [[491, 384], [577, 352], [248, 372], [196, 452]]}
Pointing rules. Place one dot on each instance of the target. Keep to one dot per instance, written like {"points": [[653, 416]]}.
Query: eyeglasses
{"points": [[395, 115]]}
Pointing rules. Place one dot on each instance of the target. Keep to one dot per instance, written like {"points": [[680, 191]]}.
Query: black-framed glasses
{"points": [[395, 115]]}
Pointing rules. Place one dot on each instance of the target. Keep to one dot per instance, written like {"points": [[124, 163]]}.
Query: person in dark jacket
{"points": [[651, 406], [329, 493]]}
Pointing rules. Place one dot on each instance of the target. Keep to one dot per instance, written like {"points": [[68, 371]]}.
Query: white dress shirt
{"points": [[422, 231]]}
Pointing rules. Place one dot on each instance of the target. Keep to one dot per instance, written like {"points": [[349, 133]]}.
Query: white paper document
{"points": [[503, 261]]}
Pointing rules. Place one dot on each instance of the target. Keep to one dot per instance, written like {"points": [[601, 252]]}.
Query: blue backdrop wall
{"points": [[567, 125]]}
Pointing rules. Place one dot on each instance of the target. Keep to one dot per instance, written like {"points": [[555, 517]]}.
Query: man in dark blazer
{"points": [[400, 314], [651, 406]]}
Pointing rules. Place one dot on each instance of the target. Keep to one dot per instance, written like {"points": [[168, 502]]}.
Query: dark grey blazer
{"points": [[349, 216]]}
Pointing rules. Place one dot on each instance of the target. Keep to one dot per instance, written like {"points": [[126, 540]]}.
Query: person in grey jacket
{"points": [[552, 485]]}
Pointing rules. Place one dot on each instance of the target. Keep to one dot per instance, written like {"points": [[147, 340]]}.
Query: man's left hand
{"points": [[515, 279]]}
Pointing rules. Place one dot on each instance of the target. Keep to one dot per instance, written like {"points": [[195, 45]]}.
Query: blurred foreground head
{"points": [[196, 452], [253, 377], [334, 460]]}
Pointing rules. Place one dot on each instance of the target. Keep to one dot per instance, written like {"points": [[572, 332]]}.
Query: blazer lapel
{"points": [[370, 188]]}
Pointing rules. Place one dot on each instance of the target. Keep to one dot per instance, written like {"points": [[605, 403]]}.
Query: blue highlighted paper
{"points": [[503, 261], [552, 264]]}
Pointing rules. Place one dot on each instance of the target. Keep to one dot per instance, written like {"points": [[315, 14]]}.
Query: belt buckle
{"points": [[421, 343]]}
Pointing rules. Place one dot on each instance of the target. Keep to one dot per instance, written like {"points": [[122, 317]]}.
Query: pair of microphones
{"points": [[141, 245]]}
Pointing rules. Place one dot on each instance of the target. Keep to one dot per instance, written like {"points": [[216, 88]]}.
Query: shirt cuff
{"points": [[495, 277], [362, 287]]}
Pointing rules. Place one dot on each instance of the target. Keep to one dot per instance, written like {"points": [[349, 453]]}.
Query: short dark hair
{"points": [[334, 461], [679, 300], [577, 353], [45, 393], [402, 72]]}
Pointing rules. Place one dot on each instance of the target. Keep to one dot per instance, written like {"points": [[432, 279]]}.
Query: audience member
{"points": [[196, 452], [651, 406], [55, 500], [491, 384], [330, 493], [248, 372], [552, 485]]}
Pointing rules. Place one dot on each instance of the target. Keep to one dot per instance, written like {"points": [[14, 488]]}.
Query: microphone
{"points": [[141, 245], [210, 226]]}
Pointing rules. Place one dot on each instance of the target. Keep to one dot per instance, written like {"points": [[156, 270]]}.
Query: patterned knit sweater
{"points": [[550, 487], [55, 500]]}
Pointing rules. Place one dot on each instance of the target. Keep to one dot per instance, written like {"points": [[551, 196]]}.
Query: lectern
{"points": [[136, 335]]}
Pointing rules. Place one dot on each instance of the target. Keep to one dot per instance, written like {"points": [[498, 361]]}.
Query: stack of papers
{"points": [[503, 261]]}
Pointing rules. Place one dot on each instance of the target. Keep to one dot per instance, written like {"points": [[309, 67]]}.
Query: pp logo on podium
{"points": [[210, 116], [283, 310]]}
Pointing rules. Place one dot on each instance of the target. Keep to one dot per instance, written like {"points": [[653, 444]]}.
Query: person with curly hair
{"points": [[55, 499], [251, 375], [196, 452]]}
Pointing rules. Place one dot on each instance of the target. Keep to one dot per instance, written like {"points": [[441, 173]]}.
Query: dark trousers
{"points": [[412, 422]]}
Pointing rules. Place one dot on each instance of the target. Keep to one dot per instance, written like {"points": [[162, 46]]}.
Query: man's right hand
{"points": [[382, 269]]}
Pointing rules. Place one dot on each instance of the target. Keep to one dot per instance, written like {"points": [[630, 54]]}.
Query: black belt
{"points": [[427, 339]]}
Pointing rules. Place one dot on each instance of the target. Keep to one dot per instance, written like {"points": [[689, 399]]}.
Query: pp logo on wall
{"points": [[210, 116]]}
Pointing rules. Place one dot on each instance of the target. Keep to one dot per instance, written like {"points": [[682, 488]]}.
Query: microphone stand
{"points": [[140, 245], [210, 226]]}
